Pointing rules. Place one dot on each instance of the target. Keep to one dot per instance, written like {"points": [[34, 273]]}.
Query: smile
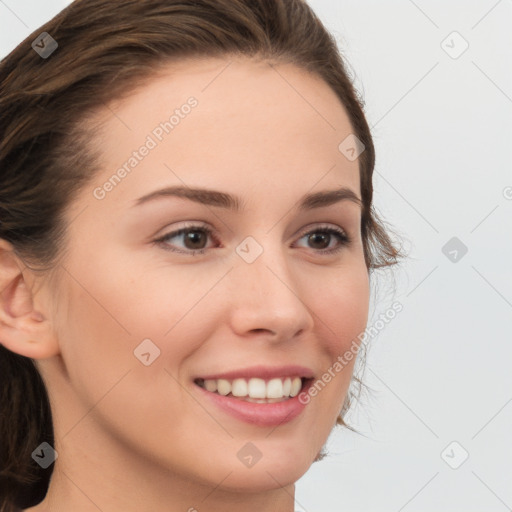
{"points": [[260, 396], [255, 390]]}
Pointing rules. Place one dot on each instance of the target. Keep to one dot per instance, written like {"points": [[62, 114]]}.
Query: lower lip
{"points": [[259, 414]]}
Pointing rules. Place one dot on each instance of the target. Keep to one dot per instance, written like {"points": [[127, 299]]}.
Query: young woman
{"points": [[186, 242]]}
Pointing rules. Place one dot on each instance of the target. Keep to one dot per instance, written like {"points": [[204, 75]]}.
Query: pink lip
{"points": [[262, 372], [258, 414]]}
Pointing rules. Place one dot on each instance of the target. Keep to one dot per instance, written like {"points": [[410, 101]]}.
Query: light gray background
{"points": [[440, 371]]}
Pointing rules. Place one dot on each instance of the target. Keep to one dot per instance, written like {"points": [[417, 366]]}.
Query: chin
{"points": [[275, 468], [265, 478]]}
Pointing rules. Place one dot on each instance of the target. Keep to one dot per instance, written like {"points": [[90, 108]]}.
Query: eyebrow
{"points": [[227, 201]]}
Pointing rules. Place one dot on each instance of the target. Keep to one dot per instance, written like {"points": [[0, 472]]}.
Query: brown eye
{"points": [[321, 238], [193, 240]]}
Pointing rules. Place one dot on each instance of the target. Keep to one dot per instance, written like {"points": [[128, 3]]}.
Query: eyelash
{"points": [[343, 238]]}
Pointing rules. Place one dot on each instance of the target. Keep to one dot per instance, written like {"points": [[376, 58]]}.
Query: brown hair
{"points": [[105, 49]]}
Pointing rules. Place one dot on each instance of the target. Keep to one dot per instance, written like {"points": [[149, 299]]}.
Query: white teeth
{"points": [[239, 387], [255, 389], [223, 387], [210, 385], [296, 385], [287, 386], [275, 388]]}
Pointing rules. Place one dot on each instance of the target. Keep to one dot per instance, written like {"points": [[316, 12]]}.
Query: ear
{"points": [[23, 329]]}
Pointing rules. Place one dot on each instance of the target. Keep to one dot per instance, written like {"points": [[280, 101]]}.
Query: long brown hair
{"points": [[105, 49]]}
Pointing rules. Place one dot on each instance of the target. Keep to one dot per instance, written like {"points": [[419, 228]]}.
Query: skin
{"points": [[142, 438]]}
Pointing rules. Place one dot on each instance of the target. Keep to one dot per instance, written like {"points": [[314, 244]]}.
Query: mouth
{"points": [[255, 390], [259, 396]]}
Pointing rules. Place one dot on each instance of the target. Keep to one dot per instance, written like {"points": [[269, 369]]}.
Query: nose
{"points": [[267, 300]]}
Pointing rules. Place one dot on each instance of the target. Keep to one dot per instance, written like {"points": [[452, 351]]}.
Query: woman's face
{"points": [[141, 322]]}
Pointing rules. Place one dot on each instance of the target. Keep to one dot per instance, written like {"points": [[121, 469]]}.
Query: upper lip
{"points": [[262, 372]]}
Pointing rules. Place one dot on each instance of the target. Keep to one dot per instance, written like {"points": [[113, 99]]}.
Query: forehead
{"points": [[251, 122]]}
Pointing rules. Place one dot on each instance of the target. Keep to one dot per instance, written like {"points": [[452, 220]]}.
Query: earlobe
{"points": [[23, 329]]}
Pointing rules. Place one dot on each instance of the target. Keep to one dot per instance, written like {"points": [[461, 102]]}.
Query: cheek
{"points": [[108, 315], [152, 295], [105, 320], [342, 309], [96, 343], [342, 315]]}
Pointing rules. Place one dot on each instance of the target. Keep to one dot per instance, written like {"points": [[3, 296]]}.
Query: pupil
{"points": [[194, 237], [324, 236]]}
